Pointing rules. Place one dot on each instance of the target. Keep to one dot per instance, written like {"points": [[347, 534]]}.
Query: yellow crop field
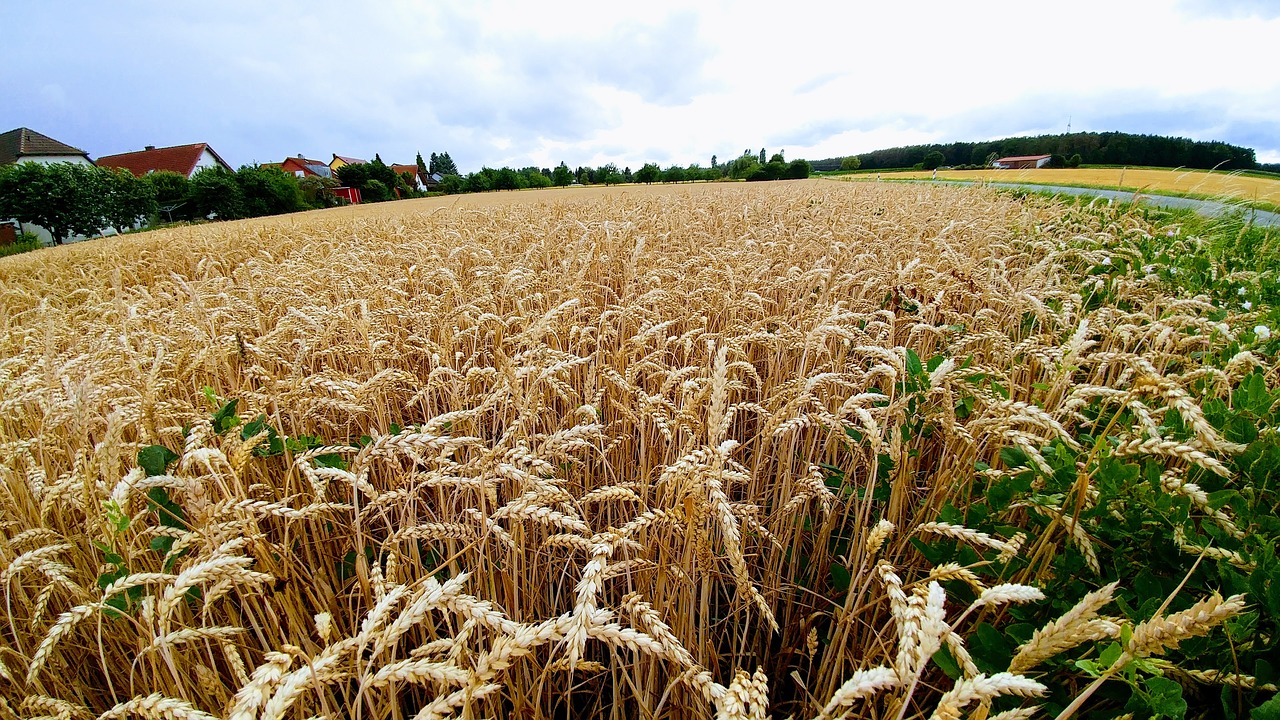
{"points": [[1218, 184], [725, 450]]}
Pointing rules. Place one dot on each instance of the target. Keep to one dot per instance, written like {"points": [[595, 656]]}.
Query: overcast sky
{"points": [[527, 83]]}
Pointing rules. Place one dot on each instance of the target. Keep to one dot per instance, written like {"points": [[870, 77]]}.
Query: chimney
{"points": [[149, 147]]}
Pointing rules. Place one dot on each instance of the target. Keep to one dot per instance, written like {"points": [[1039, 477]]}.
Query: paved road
{"points": [[1210, 208]]}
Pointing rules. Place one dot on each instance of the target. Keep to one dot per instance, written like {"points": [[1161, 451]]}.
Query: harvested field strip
{"points": [[1226, 185]]}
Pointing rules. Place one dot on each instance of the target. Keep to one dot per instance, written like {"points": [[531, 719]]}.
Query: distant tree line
{"points": [[749, 166], [1109, 148]]}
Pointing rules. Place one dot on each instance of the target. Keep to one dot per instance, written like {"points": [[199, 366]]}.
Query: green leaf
{"points": [[108, 554], [1166, 697], [225, 418], [914, 368], [170, 513], [330, 460], [162, 545], [111, 576], [840, 578], [1110, 655], [1269, 710], [944, 660], [154, 459], [116, 517]]}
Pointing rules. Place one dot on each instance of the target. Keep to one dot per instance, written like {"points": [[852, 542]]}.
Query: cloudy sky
{"points": [[526, 83]]}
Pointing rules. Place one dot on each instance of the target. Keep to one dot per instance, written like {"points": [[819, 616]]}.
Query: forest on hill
{"points": [[1108, 148]]}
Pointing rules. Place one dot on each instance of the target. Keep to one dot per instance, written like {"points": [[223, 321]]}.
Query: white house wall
{"points": [[50, 159], [207, 160]]}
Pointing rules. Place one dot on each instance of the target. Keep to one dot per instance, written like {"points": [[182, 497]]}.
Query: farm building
{"points": [[350, 194], [26, 145], [1022, 162], [304, 167], [186, 160]]}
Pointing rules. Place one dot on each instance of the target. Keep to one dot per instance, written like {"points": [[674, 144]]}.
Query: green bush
{"points": [[26, 242]]}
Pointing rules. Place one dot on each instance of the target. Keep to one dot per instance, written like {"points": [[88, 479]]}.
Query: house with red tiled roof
{"points": [[186, 160], [301, 167], [422, 181], [27, 145]]}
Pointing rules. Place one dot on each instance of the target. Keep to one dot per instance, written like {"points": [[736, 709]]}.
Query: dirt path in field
{"points": [[1208, 208]]}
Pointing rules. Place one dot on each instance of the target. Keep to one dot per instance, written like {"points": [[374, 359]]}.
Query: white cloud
{"points": [[589, 82]]}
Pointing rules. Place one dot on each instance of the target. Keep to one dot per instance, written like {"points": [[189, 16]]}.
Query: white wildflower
{"points": [[1148, 269], [1106, 261], [1240, 292], [1263, 332], [1247, 304]]}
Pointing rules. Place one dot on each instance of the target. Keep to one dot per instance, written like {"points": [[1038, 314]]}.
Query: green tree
{"points": [[675, 173], [130, 199], [743, 166], [375, 191], [762, 156], [268, 191], [608, 174], [173, 194], [933, 160], [317, 191], [648, 174], [1074, 161], [479, 182], [505, 179], [714, 165], [852, 162], [443, 164], [215, 193], [453, 184], [64, 198], [798, 170], [354, 176], [536, 179], [422, 166], [561, 176]]}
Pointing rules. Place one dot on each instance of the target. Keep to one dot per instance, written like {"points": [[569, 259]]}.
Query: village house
{"points": [[301, 167], [27, 145], [339, 161], [186, 160]]}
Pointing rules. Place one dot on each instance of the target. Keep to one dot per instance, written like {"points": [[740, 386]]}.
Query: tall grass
{"points": [[639, 456]]}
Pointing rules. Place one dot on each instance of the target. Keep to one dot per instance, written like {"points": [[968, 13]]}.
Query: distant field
{"points": [[1196, 182]]}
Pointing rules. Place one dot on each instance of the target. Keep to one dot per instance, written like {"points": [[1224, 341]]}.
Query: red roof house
{"points": [[305, 167], [186, 160]]}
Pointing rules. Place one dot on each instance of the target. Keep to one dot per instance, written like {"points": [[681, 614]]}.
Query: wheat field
{"points": [[639, 453], [1222, 184]]}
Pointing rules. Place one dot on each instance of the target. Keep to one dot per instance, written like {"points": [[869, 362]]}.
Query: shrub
{"points": [[25, 242]]}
